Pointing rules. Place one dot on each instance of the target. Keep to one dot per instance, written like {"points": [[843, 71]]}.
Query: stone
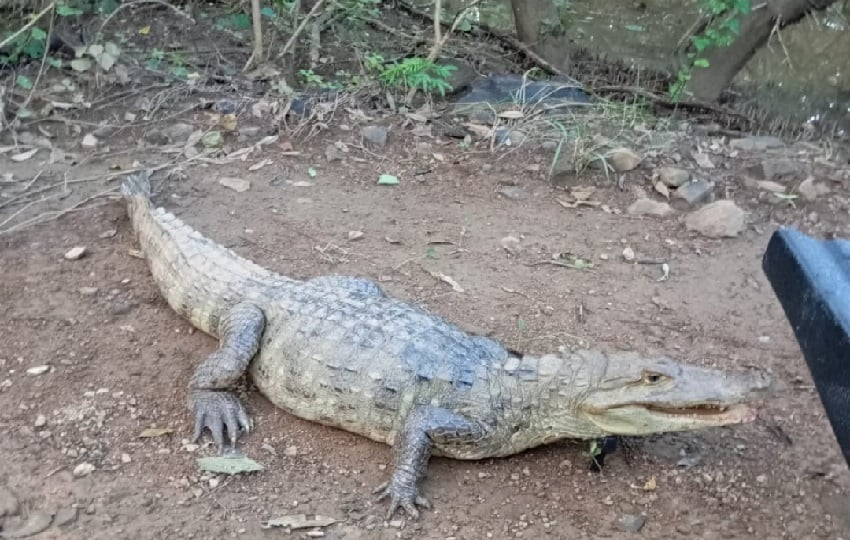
{"points": [[332, 153], [8, 502], [695, 192], [774, 169], [720, 219], [36, 523], [178, 132], [65, 516], [83, 469], [623, 159], [75, 253], [631, 523], [89, 141], [376, 135], [88, 291], [673, 176], [648, 207], [810, 190], [757, 143], [239, 185]]}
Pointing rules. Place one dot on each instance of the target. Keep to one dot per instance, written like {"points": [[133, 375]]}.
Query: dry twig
{"points": [[29, 25], [300, 28]]}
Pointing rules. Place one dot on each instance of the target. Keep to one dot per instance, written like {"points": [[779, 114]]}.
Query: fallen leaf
{"points": [[703, 160], [135, 253], [212, 139], [260, 164], [23, 156], [299, 521], [38, 370], [81, 64], [229, 465], [354, 235], [155, 432], [448, 279], [312, 172], [661, 188], [511, 114], [650, 484], [302, 183], [145, 30], [89, 141]]}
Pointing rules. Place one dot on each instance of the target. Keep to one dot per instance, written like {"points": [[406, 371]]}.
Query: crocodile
{"points": [[338, 351]]}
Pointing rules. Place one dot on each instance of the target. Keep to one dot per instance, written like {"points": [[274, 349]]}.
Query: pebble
{"points": [[375, 134], [38, 370], [125, 458], [40, 420], [774, 169], [291, 451], [75, 253], [756, 143], [649, 207], [513, 193], [88, 291], [396, 523], [623, 159], [673, 176], [695, 192], [332, 153], [629, 254], [89, 141], [811, 190], [64, 516], [630, 523], [720, 219], [214, 482], [83, 469], [8, 502], [239, 185]]}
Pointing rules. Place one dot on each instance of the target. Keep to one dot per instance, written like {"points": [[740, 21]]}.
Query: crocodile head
{"points": [[638, 396]]}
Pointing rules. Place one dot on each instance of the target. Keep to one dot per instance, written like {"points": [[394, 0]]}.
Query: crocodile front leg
{"points": [[424, 428], [214, 407]]}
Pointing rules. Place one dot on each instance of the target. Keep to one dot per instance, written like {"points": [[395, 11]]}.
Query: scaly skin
{"points": [[337, 351]]}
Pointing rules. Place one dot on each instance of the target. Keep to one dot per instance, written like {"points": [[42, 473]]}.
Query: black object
{"points": [[811, 279], [607, 446], [509, 87]]}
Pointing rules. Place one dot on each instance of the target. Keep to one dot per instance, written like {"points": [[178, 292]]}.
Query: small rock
{"points": [[40, 420], [125, 458], [239, 185], [36, 523], [761, 479], [64, 516], [88, 291], [179, 131], [375, 134], [630, 523], [717, 220], [214, 482], [629, 254], [75, 253], [89, 141], [703, 160], [396, 523], [689, 461], [769, 185], [511, 244], [649, 207], [756, 143], [514, 193], [291, 451], [623, 159], [695, 192], [8, 502], [355, 235], [673, 176], [83, 469], [249, 132], [332, 153], [38, 370], [774, 169], [811, 190]]}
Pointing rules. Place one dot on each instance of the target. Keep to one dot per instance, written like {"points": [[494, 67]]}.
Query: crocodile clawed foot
{"points": [[401, 496], [219, 411]]}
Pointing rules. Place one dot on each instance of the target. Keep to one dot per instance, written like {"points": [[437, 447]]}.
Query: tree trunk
{"points": [[538, 25], [724, 62]]}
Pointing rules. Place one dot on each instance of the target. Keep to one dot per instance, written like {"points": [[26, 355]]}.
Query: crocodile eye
{"points": [[651, 377]]}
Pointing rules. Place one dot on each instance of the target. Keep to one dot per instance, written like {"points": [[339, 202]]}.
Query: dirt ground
{"points": [[119, 359]]}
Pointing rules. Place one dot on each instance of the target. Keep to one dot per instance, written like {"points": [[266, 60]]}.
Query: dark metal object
{"points": [[811, 279]]}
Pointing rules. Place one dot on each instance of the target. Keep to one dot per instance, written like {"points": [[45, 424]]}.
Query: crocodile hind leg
{"points": [[215, 408], [424, 428]]}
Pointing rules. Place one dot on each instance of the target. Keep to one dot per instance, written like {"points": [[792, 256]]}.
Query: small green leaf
{"points": [[268, 12], [701, 62], [64, 10], [312, 172], [634, 28], [229, 465], [38, 33], [387, 180], [55, 62], [24, 82]]}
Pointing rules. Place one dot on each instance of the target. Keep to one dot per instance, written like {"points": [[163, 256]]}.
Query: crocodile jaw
{"points": [[640, 419]]}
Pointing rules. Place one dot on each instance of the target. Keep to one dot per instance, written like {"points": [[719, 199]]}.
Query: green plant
{"points": [[725, 23], [418, 73]]}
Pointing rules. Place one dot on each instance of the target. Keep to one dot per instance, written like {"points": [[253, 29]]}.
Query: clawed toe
{"points": [[401, 497], [219, 412]]}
